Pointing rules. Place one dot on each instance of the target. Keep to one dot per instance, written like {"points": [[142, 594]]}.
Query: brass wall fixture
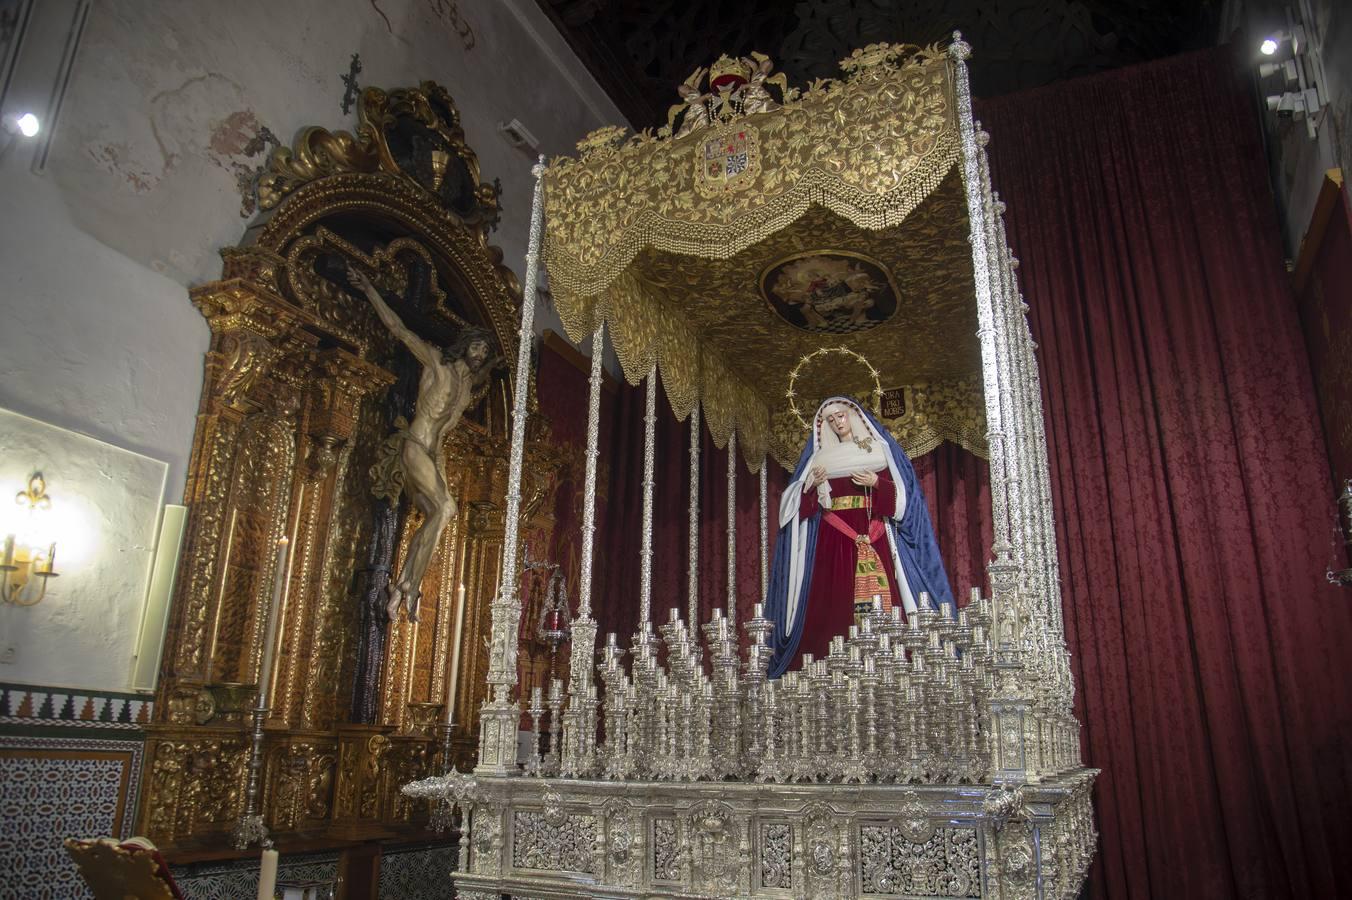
{"points": [[26, 564]]}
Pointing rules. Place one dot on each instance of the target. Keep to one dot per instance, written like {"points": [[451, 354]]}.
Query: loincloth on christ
{"points": [[387, 473]]}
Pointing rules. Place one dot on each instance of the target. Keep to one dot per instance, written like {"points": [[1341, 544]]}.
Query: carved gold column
{"points": [[313, 626], [270, 450]]}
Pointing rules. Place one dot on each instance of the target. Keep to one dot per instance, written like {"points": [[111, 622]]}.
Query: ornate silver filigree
{"points": [[666, 855], [692, 522], [946, 864], [776, 855], [554, 841]]}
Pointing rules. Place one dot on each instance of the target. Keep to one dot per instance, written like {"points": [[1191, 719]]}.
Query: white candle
{"points": [[454, 680], [9, 550], [270, 628], [267, 875]]}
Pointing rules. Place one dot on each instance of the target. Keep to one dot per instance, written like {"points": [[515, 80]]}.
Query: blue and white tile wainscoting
{"points": [[70, 766]]}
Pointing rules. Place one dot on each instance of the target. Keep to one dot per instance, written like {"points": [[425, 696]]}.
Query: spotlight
{"points": [[1268, 47], [28, 124], [1286, 69]]}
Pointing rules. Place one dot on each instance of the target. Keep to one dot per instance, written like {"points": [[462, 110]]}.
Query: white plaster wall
{"points": [[104, 518], [140, 191]]}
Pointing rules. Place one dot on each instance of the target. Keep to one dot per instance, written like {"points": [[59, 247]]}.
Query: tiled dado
{"points": [[239, 878], [417, 873], [52, 788], [406, 873], [22, 704], [70, 766]]}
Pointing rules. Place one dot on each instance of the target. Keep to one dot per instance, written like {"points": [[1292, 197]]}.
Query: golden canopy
{"points": [[760, 225]]}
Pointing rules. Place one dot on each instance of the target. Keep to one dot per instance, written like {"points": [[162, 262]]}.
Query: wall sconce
{"points": [[26, 567]]}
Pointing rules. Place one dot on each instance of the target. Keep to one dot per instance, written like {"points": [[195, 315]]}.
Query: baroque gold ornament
{"points": [[292, 416], [662, 237]]}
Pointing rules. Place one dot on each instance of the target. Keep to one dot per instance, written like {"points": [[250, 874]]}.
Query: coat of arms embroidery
{"points": [[728, 160]]}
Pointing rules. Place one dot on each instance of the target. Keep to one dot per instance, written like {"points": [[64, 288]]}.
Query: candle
{"points": [[270, 628], [612, 639], [9, 550], [759, 612], [51, 558], [537, 697], [267, 875], [675, 614], [454, 680]]}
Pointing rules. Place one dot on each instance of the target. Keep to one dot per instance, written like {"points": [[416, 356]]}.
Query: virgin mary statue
{"points": [[852, 527]]}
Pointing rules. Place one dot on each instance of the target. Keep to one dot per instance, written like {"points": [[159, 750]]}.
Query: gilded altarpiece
{"points": [[301, 386]]}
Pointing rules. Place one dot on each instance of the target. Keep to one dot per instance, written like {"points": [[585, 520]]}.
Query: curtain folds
{"points": [[1192, 492]]}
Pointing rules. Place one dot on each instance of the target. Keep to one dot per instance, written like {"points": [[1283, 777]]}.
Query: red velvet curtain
{"points": [[955, 482], [957, 488], [1191, 485], [956, 485], [619, 540]]}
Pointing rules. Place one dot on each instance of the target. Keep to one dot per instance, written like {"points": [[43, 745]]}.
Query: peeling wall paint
{"points": [[170, 109]]}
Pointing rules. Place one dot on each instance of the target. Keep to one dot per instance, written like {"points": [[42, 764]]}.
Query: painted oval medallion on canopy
{"points": [[830, 291]]}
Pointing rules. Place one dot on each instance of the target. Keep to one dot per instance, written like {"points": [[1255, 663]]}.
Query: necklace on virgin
{"points": [[865, 444]]}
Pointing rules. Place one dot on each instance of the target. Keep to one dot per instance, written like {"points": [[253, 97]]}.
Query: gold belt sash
{"points": [[854, 501]]}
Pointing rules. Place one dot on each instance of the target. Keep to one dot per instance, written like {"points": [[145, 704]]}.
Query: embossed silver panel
{"points": [[562, 843], [947, 864]]}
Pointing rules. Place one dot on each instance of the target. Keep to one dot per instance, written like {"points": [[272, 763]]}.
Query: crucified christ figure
{"points": [[445, 387]]}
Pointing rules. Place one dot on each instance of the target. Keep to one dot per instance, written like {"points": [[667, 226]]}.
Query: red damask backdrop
{"points": [[1191, 484]]}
